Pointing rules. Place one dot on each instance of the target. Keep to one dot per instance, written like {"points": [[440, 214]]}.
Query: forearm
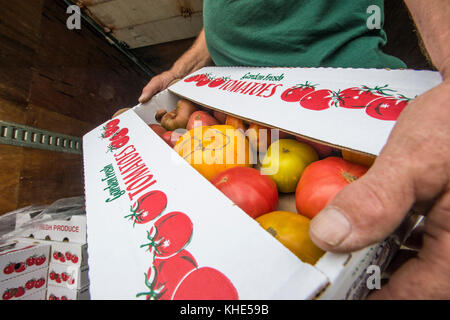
{"points": [[432, 18], [193, 59]]}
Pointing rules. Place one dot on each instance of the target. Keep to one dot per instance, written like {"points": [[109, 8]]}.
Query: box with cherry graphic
{"points": [[17, 258], [67, 253], [180, 237], [71, 277], [24, 285], [61, 293]]}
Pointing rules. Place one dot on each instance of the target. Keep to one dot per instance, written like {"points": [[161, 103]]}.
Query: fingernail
{"points": [[142, 98], [330, 226]]}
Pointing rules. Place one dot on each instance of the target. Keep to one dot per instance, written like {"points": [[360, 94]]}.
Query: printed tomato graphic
{"points": [[110, 131], [203, 80], [319, 100], [205, 284], [112, 123], [20, 267], [30, 284], [19, 292], [119, 135], [193, 78], [296, 93], [148, 207], [30, 261], [8, 294], [68, 256], [40, 260], [360, 97], [216, 82], [39, 283], [170, 234], [387, 108], [8, 269], [74, 258], [119, 143], [52, 275], [165, 274]]}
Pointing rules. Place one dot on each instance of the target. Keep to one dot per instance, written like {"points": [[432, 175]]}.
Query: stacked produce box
{"points": [[61, 228], [24, 269]]}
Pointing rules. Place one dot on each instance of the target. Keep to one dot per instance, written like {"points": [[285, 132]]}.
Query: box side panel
{"points": [[220, 236]]}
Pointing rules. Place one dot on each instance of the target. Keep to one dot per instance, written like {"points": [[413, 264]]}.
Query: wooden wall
{"points": [[58, 80]]}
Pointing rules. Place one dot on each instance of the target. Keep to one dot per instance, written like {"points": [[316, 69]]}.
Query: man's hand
{"points": [[413, 167], [156, 84]]}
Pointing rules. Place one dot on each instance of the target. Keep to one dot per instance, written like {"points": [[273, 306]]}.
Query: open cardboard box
{"points": [[224, 238]]}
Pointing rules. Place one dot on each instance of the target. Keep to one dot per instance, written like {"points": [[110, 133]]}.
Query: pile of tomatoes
{"points": [[277, 163]]}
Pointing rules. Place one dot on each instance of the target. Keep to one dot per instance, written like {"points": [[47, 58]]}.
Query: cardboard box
{"points": [[61, 293], [39, 295], [72, 229], [65, 253], [24, 285], [17, 258], [229, 249], [70, 277]]}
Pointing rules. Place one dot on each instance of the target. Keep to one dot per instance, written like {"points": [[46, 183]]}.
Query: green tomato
{"points": [[285, 161]]}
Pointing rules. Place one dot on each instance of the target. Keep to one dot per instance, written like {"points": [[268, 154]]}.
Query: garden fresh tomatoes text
{"points": [[168, 236]]}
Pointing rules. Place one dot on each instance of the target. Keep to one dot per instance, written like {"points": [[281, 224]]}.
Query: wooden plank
{"points": [[45, 119], [161, 31], [19, 38], [10, 164], [47, 176], [119, 14]]}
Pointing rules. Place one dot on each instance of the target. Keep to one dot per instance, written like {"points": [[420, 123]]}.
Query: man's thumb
{"points": [[364, 212]]}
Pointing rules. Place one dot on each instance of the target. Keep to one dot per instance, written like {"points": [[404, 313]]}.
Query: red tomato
{"points": [[321, 182], [296, 93], [159, 130], [163, 277], [199, 119], [318, 100], [117, 144], [148, 207], [171, 137], [170, 234], [216, 82], [387, 108], [254, 193], [205, 284]]}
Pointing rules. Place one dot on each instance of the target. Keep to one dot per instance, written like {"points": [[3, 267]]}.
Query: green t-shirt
{"points": [[296, 33]]}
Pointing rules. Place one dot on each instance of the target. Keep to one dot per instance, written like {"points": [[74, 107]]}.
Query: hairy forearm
{"points": [[432, 18], [193, 59]]}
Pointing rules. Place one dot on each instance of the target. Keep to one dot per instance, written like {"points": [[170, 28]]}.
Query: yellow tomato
{"points": [[285, 161], [291, 229], [211, 150]]}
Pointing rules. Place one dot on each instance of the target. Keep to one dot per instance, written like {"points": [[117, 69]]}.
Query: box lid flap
{"points": [[333, 111]]}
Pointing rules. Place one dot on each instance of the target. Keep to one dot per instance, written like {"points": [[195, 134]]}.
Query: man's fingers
{"points": [[366, 211], [149, 91]]}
